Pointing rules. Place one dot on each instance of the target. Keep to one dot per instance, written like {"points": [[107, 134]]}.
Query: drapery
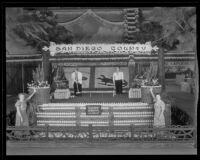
{"points": [[153, 70]]}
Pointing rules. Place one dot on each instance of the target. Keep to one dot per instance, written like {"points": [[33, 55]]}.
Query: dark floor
{"points": [[56, 148], [97, 98]]}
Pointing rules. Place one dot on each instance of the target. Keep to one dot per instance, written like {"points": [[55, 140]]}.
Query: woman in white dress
{"points": [[21, 114], [159, 108]]}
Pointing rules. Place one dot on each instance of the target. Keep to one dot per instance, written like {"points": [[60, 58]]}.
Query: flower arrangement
{"points": [[152, 82], [38, 79], [42, 84], [138, 82]]}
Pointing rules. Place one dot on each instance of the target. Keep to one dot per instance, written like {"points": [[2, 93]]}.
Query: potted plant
{"points": [[42, 87]]}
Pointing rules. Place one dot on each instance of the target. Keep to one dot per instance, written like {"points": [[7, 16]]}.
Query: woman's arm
{"points": [[34, 91], [152, 94]]}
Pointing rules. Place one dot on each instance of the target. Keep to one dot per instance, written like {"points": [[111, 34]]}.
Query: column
{"points": [[131, 67], [46, 65], [23, 77], [161, 68], [92, 78]]}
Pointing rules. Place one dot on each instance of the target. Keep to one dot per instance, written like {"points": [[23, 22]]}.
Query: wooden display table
{"points": [[134, 93], [146, 95], [62, 94]]}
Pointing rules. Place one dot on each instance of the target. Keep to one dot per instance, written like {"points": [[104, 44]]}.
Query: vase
{"points": [[42, 95], [146, 96]]}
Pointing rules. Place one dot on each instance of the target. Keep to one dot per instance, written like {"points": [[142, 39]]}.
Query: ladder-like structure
{"points": [[132, 17]]}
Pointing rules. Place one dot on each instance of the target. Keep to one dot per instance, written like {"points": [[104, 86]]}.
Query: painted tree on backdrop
{"points": [[38, 27], [179, 29]]}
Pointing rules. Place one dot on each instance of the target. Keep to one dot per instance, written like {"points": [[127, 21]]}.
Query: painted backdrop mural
{"points": [[86, 75], [172, 68], [91, 28], [104, 77]]}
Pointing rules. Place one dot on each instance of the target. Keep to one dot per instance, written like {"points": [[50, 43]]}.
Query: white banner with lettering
{"points": [[137, 48]]}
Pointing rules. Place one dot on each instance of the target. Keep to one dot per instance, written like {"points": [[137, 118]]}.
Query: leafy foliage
{"points": [[179, 26], [14, 43], [38, 75], [39, 27], [152, 31]]}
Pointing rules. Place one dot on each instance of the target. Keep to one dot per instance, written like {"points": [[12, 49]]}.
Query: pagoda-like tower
{"points": [[132, 21]]}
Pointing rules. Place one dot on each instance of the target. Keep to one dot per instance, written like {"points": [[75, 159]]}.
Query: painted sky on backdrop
{"points": [[91, 28]]}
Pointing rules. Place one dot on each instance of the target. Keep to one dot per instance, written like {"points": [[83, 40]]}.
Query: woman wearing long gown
{"points": [[159, 108], [21, 106]]}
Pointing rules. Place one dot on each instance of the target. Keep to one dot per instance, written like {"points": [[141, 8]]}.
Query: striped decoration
{"points": [[72, 114], [134, 93]]}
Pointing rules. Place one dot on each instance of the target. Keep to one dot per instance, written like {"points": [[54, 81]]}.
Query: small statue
{"points": [[159, 108]]}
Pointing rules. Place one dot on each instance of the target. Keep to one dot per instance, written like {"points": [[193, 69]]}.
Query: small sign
{"points": [[93, 109]]}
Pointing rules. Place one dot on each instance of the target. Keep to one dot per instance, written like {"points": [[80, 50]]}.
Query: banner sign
{"points": [[93, 109], [137, 48]]}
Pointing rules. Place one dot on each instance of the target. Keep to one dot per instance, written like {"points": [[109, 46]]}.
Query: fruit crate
{"points": [[134, 93], [62, 94]]}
